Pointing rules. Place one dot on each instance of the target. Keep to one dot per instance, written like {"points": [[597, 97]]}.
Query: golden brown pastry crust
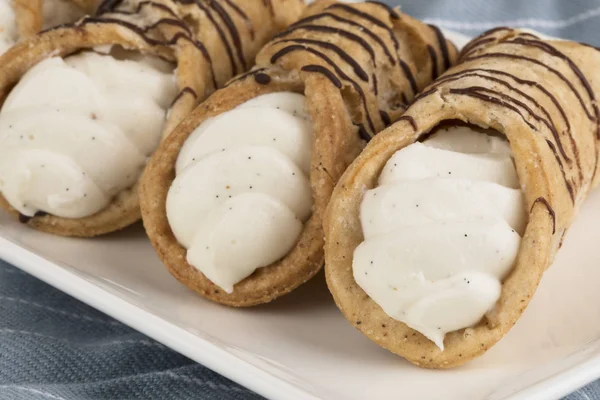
{"points": [[339, 88], [156, 28], [28, 14], [545, 105]]}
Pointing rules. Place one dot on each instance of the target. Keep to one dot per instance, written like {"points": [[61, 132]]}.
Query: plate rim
{"points": [[174, 337], [244, 373]]}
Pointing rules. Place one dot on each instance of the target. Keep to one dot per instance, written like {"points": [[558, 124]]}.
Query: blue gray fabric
{"points": [[55, 347]]}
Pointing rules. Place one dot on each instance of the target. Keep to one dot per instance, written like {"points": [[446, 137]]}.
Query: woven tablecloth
{"points": [[55, 347]]}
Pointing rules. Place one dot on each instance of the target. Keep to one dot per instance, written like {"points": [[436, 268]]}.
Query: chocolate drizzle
{"points": [[358, 70], [515, 94], [385, 118], [410, 120], [477, 72], [324, 71], [369, 33], [262, 79], [182, 92], [328, 29], [582, 79], [243, 15], [235, 35], [349, 22], [338, 71], [369, 18], [434, 62], [536, 62], [543, 201], [246, 75], [442, 45]]}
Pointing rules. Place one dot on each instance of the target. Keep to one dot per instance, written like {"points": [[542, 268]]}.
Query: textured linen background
{"points": [[55, 347]]}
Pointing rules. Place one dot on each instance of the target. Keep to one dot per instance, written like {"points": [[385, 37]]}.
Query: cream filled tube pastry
{"points": [[94, 77], [438, 234], [233, 199]]}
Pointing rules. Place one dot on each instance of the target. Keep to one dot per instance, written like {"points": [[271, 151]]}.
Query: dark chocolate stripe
{"points": [[246, 75], [404, 99], [338, 71], [547, 121], [409, 76], [368, 17], [410, 120], [562, 170], [269, 5], [233, 31], [182, 92], [385, 117], [358, 70], [390, 10], [590, 46], [262, 78], [443, 46], [534, 61], [364, 135], [473, 45], [483, 38], [375, 85], [324, 71], [549, 49], [327, 29], [521, 34], [471, 92], [505, 101], [543, 90], [425, 94], [349, 22], [221, 33], [550, 211], [434, 62], [243, 15]]}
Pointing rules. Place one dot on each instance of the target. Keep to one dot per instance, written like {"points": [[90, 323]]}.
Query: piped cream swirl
{"points": [[242, 190], [75, 132], [441, 231]]}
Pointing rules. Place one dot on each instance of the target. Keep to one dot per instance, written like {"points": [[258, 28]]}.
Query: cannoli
{"points": [[438, 234], [233, 199], [75, 173]]}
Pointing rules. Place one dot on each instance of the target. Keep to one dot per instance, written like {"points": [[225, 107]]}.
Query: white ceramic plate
{"points": [[301, 347]]}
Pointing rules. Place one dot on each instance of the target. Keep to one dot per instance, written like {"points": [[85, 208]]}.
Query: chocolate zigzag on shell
{"points": [[378, 58], [539, 94], [358, 66]]}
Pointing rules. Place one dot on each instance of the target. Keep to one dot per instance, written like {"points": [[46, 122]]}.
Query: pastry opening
{"points": [[442, 229], [242, 193], [98, 117]]}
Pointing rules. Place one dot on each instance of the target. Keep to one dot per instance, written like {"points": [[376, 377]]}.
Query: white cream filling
{"points": [[9, 31], [242, 190], [441, 231], [76, 132]]}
